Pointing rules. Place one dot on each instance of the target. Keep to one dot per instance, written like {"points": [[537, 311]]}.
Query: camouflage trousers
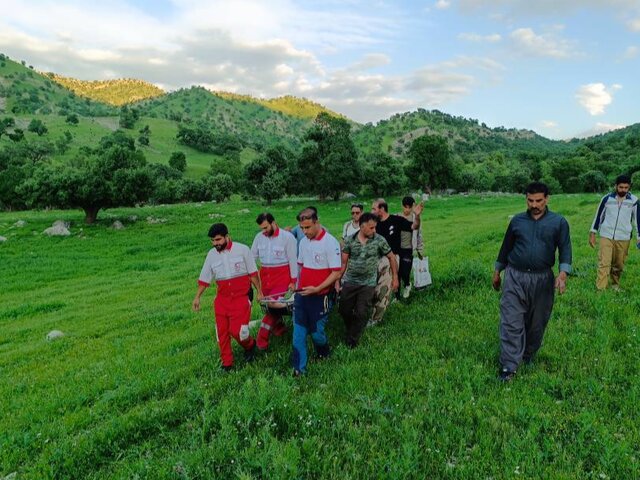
{"points": [[382, 295]]}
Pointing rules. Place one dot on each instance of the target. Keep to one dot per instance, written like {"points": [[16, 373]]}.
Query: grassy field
{"points": [[134, 389]]}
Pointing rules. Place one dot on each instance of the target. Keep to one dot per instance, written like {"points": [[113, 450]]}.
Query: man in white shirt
{"points": [[320, 265], [615, 219], [232, 266], [275, 248]]}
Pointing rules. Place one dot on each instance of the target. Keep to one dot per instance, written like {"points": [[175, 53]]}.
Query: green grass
{"points": [[134, 389]]}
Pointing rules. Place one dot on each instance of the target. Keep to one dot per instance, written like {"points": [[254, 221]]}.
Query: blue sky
{"points": [[563, 68]]}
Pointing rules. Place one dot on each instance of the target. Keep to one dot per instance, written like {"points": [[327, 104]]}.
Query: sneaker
{"points": [[226, 368], [323, 351], [616, 288], [406, 292], [297, 373], [506, 375], [250, 355]]}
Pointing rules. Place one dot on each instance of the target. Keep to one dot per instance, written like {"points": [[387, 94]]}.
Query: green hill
{"points": [[466, 137], [113, 92], [25, 91]]}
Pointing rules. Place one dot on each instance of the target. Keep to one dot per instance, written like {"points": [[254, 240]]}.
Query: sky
{"points": [[563, 68]]}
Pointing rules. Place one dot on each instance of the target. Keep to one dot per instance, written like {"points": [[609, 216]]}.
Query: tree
{"points": [[115, 174], [72, 119], [430, 162], [384, 174], [143, 139], [218, 187], [38, 127], [593, 181], [268, 175], [17, 135], [328, 165], [178, 160], [128, 117]]}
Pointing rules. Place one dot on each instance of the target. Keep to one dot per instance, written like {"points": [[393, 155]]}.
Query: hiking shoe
{"points": [[506, 375], [297, 373], [250, 355], [406, 292], [323, 351]]}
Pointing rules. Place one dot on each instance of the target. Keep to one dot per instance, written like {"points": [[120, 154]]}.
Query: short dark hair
{"points": [[265, 216], [367, 217], [357, 205], [408, 201], [537, 187], [218, 229], [308, 214], [310, 207], [623, 179]]}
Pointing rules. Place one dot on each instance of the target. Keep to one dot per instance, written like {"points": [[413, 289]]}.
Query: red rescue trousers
{"points": [[232, 313], [270, 322]]}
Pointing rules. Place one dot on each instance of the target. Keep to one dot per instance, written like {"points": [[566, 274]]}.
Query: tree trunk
{"points": [[90, 214]]}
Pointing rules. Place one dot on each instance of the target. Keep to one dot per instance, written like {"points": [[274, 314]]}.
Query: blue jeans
{"points": [[310, 315]]}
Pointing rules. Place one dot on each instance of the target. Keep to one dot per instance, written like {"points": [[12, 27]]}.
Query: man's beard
{"points": [[621, 194], [221, 247]]}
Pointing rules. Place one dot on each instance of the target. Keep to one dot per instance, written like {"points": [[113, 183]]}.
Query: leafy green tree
{"points": [[430, 162], [115, 174], [128, 117], [218, 187], [17, 135], [384, 174], [64, 141], [178, 160], [38, 127], [145, 132], [72, 119], [593, 181], [268, 175], [328, 165]]}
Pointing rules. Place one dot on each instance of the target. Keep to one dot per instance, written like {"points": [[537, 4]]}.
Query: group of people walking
{"points": [[375, 255]]}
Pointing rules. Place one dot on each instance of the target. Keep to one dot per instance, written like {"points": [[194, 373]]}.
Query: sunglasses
{"points": [[356, 212]]}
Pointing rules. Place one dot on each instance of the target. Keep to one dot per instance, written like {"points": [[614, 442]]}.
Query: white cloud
{"points": [[630, 53], [544, 7], [475, 37], [549, 124], [528, 43], [443, 4], [596, 97], [634, 24], [598, 129]]}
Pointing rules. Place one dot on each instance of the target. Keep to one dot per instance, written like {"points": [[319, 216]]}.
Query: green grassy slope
{"points": [[134, 388]]}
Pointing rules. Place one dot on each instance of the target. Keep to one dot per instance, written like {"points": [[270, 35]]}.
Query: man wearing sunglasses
{"points": [[352, 226]]}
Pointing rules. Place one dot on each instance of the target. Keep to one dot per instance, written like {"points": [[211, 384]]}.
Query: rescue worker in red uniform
{"points": [[234, 269], [276, 250]]}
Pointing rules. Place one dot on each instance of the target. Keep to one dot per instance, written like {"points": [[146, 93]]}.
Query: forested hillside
{"points": [[58, 148], [113, 92]]}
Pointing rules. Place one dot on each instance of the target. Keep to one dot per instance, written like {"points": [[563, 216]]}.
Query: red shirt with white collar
{"points": [[277, 255], [318, 258], [231, 269]]}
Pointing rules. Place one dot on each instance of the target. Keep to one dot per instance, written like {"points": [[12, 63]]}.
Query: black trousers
{"points": [[355, 304], [404, 269]]}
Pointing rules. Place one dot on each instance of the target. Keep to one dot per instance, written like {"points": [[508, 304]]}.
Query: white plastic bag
{"points": [[421, 275]]}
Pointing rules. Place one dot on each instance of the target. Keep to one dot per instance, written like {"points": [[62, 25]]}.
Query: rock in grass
{"points": [[20, 224], [54, 335], [3, 239], [117, 225], [59, 228], [155, 220], [244, 210], [11, 476]]}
